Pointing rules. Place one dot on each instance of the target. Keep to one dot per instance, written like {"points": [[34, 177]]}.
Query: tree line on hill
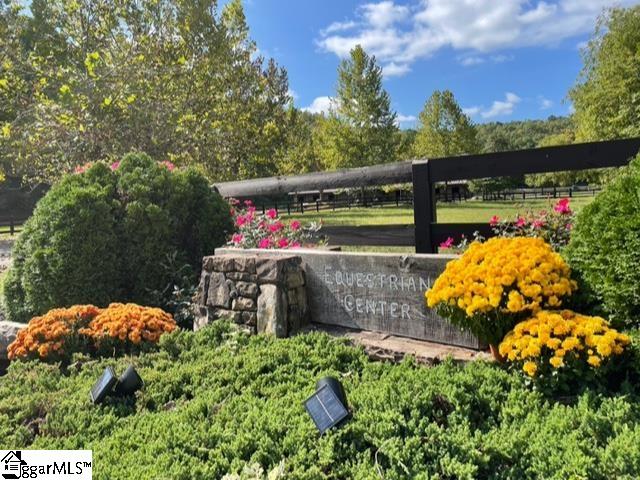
{"points": [[86, 80]]}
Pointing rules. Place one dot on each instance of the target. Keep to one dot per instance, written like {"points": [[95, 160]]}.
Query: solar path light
{"points": [[328, 405], [103, 386]]}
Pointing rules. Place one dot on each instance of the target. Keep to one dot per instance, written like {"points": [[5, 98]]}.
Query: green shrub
{"points": [[102, 236], [604, 251], [216, 402]]}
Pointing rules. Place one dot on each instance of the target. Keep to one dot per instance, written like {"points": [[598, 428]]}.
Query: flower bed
{"points": [[267, 230], [61, 332], [495, 284], [562, 342]]}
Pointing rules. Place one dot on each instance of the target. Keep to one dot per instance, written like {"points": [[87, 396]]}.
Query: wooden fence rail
{"points": [[541, 192], [12, 226], [426, 233], [582, 156]]}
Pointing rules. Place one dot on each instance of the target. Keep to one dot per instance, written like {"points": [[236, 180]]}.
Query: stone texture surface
{"points": [[244, 303], [247, 289], [275, 269], [295, 279], [218, 294], [262, 294], [272, 311], [8, 332], [377, 292], [245, 277]]}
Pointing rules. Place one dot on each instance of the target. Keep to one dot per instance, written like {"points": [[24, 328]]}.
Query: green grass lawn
{"points": [[463, 212]]}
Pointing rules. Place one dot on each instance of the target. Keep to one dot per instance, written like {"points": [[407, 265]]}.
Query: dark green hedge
{"points": [[604, 251], [215, 402], [103, 236]]}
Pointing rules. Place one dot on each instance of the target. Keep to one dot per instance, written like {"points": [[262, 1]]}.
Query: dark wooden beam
{"points": [[424, 207], [384, 174], [441, 231], [580, 156], [375, 235]]}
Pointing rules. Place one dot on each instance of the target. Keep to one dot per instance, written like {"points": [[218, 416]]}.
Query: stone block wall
{"points": [[265, 294]]}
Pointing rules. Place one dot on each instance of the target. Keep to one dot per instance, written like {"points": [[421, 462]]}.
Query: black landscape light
{"points": [[129, 382], [109, 384], [328, 405]]}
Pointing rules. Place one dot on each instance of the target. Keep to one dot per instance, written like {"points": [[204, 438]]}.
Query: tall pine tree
{"points": [[444, 128], [361, 128]]}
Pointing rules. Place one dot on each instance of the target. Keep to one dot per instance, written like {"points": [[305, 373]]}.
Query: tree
{"points": [[520, 134], [93, 79], [607, 96], [566, 178], [300, 149], [361, 128], [444, 128]]}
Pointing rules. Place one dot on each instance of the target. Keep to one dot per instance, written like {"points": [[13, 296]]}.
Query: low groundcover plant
{"points": [[217, 403]]}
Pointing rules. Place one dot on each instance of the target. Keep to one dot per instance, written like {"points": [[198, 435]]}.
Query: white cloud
{"points": [[338, 27], [545, 103], [395, 70], [383, 14], [293, 94], [471, 111], [501, 58], [320, 105], [502, 107], [405, 118], [471, 61], [401, 35]]}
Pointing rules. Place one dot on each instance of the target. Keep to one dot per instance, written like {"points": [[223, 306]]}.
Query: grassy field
{"points": [[463, 212]]}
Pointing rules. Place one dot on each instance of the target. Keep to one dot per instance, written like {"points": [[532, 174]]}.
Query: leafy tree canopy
{"points": [[444, 128], [88, 79], [607, 96], [361, 128]]}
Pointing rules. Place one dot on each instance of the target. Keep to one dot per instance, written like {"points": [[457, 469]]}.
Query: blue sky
{"points": [[503, 59]]}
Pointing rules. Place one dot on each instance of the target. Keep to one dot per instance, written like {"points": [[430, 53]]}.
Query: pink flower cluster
{"points": [[554, 225], [257, 230]]}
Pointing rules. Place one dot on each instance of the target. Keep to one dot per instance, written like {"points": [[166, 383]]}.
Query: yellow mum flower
{"points": [[594, 361], [530, 368], [503, 276], [559, 338], [556, 362]]}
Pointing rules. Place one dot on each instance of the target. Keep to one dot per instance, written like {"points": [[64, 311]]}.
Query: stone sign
{"points": [[374, 291]]}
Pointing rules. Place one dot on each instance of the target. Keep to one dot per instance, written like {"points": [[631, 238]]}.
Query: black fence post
{"points": [[12, 230], [424, 207], [301, 205]]}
